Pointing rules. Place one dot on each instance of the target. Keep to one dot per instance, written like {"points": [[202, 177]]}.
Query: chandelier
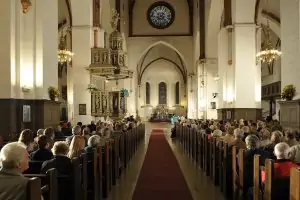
{"points": [[64, 55], [268, 54]]}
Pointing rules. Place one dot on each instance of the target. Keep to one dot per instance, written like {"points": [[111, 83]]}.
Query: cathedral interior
{"points": [[190, 43], [177, 74]]}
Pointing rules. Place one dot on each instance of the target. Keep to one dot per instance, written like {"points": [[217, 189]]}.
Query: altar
{"points": [[161, 114]]}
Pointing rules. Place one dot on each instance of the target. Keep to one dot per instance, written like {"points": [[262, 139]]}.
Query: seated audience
{"points": [[58, 132], [228, 138], [252, 144], [238, 139], [86, 133], [43, 153], [295, 153], [60, 162], [13, 161], [276, 138], [264, 136], [50, 134], [282, 165], [93, 142], [291, 137], [76, 147], [26, 138], [75, 131]]}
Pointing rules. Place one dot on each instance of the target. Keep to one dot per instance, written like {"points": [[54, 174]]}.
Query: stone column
{"points": [[290, 44], [46, 44], [192, 92], [222, 66], [246, 99], [290, 60], [82, 41]]}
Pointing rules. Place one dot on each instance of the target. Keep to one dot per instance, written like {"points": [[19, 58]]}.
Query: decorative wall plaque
{"points": [[26, 113], [82, 109]]}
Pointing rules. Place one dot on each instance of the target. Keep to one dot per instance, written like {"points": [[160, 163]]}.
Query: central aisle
{"points": [[160, 176]]}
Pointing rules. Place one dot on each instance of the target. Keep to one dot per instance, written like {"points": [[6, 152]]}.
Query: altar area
{"points": [[161, 114]]}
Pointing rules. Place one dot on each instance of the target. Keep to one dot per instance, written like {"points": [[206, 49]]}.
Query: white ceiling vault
{"points": [[161, 51]]}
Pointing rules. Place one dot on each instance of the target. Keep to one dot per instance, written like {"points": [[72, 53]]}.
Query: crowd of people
{"points": [[265, 138], [54, 148]]}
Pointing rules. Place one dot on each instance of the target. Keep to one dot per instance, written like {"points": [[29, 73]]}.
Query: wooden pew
{"points": [[49, 186], [34, 189], [84, 175], [92, 176], [256, 178], [295, 184], [275, 189], [207, 155]]}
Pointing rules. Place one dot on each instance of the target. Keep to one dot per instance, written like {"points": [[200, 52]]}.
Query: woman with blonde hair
{"points": [[26, 137], [76, 147]]}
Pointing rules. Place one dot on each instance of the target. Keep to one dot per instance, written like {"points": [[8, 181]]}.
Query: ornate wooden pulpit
{"points": [[108, 103]]}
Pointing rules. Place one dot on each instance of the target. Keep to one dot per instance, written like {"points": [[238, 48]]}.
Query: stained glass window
{"points": [[147, 93], [177, 99], [161, 15]]}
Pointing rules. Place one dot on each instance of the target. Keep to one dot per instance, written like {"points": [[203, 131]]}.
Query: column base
{"points": [[239, 113], [19, 114]]}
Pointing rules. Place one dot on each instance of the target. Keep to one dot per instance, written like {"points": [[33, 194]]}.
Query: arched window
{"points": [[147, 93], [162, 95], [177, 90]]}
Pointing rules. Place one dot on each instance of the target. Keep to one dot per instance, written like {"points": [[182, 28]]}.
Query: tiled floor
{"points": [[200, 186]]}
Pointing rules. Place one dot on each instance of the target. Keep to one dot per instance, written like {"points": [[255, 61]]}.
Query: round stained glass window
{"points": [[160, 15]]}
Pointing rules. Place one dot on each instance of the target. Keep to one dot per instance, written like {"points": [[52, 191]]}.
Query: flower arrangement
{"points": [[124, 92], [53, 93], [288, 92], [92, 88]]}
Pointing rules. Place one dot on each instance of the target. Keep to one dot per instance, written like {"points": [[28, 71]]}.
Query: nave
{"points": [[199, 185]]}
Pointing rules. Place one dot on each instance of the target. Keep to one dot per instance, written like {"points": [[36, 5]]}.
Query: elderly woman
{"points": [[238, 139], [26, 138], [228, 137], [93, 142], [282, 165], [276, 138], [291, 137], [264, 135], [252, 144], [14, 161]]}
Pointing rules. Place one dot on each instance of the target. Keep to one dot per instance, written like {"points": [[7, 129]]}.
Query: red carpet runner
{"points": [[161, 177]]}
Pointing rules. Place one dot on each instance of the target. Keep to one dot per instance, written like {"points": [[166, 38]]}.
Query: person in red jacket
{"points": [[282, 165]]}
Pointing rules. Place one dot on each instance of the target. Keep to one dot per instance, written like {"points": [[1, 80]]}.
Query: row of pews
{"points": [[225, 166], [92, 175]]}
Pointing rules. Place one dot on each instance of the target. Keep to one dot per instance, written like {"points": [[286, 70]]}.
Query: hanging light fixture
{"points": [[268, 54], [26, 4], [63, 54]]}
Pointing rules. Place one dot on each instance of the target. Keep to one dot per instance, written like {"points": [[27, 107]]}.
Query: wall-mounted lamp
{"points": [[214, 95], [25, 89], [26, 4]]}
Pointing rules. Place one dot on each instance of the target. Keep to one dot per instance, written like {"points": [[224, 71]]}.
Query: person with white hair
{"points": [[76, 130], [238, 139], [14, 160], [93, 142], [282, 165]]}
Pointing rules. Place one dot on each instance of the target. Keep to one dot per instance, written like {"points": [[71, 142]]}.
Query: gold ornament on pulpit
{"points": [[26, 4], [110, 62]]}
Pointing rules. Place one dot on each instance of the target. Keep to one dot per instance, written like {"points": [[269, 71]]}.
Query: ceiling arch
{"points": [[164, 59], [158, 51], [146, 51]]}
